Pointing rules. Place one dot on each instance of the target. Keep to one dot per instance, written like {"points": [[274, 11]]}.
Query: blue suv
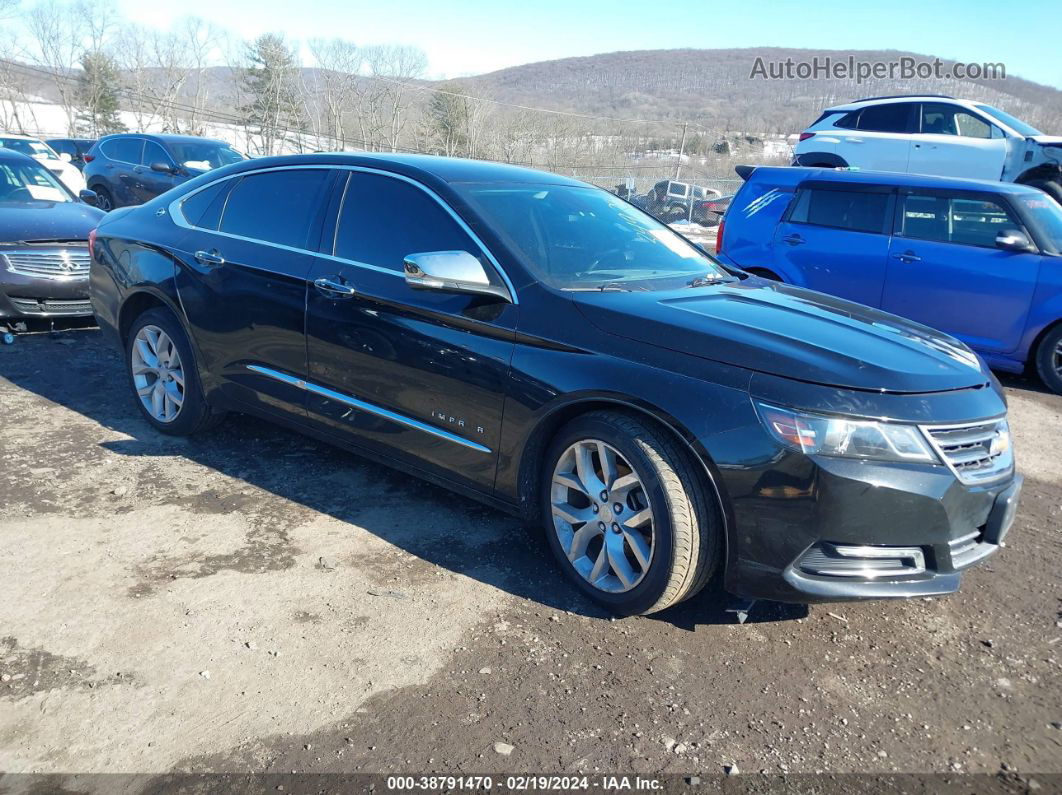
{"points": [[132, 168], [979, 260]]}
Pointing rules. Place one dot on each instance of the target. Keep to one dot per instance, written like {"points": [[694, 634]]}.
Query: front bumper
{"points": [[28, 297], [923, 526]]}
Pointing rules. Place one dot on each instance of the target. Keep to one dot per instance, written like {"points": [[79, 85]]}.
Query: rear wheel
{"points": [[627, 515], [1049, 359], [163, 375], [104, 200]]}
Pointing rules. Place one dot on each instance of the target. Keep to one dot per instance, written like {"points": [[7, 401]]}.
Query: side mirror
{"points": [[65, 157], [451, 272], [1014, 240], [162, 168], [88, 196]]}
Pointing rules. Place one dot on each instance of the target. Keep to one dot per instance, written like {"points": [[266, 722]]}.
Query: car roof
{"points": [[862, 103], [11, 156], [445, 169], [897, 179], [20, 136], [164, 137]]}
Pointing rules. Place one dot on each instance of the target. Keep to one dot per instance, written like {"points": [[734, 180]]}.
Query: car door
{"points": [[150, 183], [834, 238], [246, 257], [955, 143], [882, 138], [414, 374], [946, 271], [123, 157]]}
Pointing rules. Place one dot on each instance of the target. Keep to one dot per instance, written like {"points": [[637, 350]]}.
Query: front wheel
{"points": [[1049, 186], [1049, 359], [163, 375], [627, 515]]}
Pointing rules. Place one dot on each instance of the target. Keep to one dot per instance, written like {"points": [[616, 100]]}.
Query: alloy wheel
{"points": [[602, 516], [158, 374]]}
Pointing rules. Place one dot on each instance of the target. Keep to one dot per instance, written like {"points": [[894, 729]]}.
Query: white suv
{"points": [[933, 135]]}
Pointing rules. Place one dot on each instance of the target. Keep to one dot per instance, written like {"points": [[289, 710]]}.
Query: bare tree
{"points": [[57, 47], [335, 88], [389, 70]]}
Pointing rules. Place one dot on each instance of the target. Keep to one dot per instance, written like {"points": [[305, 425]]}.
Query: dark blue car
{"points": [[132, 168], [979, 260]]}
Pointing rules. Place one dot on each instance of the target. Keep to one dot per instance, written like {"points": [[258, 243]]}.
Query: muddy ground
{"points": [[256, 601]]}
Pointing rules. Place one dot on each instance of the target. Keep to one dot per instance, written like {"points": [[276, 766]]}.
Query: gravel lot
{"points": [[256, 601]]}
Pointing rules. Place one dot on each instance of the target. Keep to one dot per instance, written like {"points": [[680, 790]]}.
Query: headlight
{"points": [[821, 435]]}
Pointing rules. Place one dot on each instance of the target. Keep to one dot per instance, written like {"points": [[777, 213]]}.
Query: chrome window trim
{"points": [[179, 219], [353, 402]]}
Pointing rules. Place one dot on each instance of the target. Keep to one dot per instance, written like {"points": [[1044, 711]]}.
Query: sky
{"points": [[464, 37]]}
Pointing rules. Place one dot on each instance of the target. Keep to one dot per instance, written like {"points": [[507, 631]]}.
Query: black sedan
{"points": [[544, 346], [44, 229]]}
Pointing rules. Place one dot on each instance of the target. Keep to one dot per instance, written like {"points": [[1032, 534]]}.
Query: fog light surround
{"points": [[862, 562]]}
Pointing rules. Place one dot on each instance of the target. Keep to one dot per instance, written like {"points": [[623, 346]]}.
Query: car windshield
{"points": [[26, 182], [1015, 124], [1046, 214], [37, 149], [203, 155], [583, 238]]}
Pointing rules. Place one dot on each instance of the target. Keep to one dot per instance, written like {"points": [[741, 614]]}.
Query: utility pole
{"points": [[682, 149]]}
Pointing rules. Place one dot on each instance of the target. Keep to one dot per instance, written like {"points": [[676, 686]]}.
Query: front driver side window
{"points": [[964, 220]]}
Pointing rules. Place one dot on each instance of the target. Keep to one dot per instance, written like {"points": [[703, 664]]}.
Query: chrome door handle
{"points": [[793, 240], [908, 257], [209, 258], [854, 140], [333, 289]]}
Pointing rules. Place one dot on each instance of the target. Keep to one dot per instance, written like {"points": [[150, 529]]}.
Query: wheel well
{"points": [[1042, 171], [765, 273], [533, 459], [134, 307]]}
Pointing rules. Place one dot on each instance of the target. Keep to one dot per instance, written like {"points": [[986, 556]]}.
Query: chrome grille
{"points": [[43, 306], [978, 452], [57, 263]]}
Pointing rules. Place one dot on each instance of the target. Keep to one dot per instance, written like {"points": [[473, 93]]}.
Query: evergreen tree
{"points": [[97, 96], [270, 81]]}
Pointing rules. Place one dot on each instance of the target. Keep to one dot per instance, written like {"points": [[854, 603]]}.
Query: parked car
{"points": [[979, 260], [933, 134], [545, 347], [72, 150], [46, 156], [44, 258], [670, 200], [710, 211], [131, 168]]}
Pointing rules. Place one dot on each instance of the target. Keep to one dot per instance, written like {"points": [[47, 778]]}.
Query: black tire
{"points": [[1049, 359], [195, 414], [1049, 186], [104, 199], [686, 524]]}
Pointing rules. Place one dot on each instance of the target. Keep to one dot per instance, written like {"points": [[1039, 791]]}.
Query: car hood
{"points": [[790, 332], [42, 220], [1048, 140]]}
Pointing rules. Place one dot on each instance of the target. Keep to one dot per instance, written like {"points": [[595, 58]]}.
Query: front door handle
{"points": [[209, 258], [793, 240], [331, 287], [907, 257]]}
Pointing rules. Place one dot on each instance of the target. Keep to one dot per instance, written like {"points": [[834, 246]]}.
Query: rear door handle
{"points": [[908, 257], [854, 140], [793, 240], [209, 258], [331, 287]]}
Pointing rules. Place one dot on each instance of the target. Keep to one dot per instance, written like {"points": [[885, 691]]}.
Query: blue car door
{"points": [[833, 238], [946, 271]]}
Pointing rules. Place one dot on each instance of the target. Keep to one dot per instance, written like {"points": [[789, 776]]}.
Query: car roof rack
{"points": [[900, 96]]}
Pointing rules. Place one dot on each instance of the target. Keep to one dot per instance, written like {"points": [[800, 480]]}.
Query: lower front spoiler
{"points": [[819, 589]]}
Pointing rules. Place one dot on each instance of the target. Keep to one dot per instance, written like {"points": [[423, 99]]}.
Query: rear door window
{"points": [[382, 220], [859, 211], [892, 117], [124, 150], [153, 153], [965, 220], [276, 207]]}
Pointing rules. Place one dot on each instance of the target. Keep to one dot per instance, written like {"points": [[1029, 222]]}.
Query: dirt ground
{"points": [[256, 601]]}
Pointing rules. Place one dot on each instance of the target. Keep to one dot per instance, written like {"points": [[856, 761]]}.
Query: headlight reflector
{"points": [[840, 436]]}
